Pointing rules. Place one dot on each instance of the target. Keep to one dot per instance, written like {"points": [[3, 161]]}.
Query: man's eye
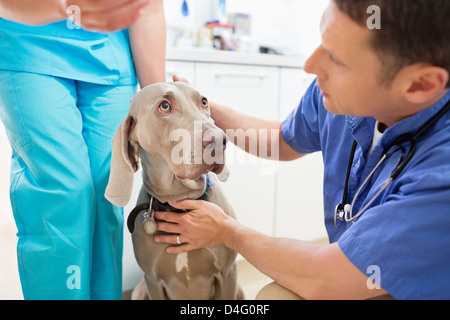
{"points": [[335, 61], [165, 107]]}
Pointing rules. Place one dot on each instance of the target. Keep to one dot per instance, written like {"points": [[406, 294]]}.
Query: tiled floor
{"points": [[250, 279]]}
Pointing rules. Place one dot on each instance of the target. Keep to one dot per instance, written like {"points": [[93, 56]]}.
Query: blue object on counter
{"points": [[185, 8]]}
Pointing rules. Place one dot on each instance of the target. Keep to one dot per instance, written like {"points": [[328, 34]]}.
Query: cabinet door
{"points": [[299, 205], [251, 90]]}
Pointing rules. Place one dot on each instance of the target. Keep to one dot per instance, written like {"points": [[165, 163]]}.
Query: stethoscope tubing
{"points": [[348, 213], [343, 212]]}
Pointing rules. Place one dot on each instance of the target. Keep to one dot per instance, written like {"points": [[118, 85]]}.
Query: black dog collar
{"points": [[159, 206]]}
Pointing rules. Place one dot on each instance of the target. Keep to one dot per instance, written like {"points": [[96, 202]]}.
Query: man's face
{"points": [[349, 71]]}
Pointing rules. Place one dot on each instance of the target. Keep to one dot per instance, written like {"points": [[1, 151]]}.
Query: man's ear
{"points": [[428, 83], [124, 163]]}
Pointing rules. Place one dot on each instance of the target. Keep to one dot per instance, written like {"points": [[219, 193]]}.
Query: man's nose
{"points": [[316, 64]]}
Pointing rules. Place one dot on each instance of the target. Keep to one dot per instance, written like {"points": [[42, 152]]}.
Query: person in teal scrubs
{"points": [[65, 86]]}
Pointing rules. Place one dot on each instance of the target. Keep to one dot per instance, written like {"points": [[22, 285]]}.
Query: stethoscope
{"points": [[343, 211]]}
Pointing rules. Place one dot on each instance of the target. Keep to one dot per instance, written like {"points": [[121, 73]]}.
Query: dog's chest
{"points": [[182, 263]]}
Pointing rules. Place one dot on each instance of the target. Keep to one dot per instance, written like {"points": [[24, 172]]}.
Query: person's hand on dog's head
{"points": [[177, 78]]}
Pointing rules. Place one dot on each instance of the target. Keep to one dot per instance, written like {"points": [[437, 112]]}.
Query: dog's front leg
{"points": [[140, 291], [226, 286], [155, 289]]}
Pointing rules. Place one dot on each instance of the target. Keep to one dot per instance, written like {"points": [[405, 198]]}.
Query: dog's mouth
{"points": [[215, 168], [218, 168], [212, 151]]}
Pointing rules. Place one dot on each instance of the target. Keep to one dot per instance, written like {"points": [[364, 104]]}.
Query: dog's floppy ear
{"points": [[124, 163]]}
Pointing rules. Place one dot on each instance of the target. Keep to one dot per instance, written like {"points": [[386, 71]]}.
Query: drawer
{"points": [[252, 90]]}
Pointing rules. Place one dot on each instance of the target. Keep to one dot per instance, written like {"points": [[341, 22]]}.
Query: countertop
{"points": [[218, 56]]}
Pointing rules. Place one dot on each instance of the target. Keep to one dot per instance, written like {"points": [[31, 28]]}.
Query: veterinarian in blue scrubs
{"points": [[63, 93]]}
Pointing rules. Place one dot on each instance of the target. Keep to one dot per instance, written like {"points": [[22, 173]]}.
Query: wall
{"points": [[291, 26]]}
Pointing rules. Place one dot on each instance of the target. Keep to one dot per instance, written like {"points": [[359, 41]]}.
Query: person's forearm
{"points": [[32, 12], [148, 44], [291, 263], [258, 137], [310, 270]]}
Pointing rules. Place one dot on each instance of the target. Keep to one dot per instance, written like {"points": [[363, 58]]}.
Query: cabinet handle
{"points": [[261, 76]]}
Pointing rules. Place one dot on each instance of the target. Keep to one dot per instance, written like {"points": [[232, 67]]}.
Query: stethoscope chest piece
{"points": [[340, 214]]}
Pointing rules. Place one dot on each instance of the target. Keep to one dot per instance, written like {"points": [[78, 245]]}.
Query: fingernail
{"points": [[157, 239]]}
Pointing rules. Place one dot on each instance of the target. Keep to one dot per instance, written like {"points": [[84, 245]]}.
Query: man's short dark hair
{"points": [[412, 31]]}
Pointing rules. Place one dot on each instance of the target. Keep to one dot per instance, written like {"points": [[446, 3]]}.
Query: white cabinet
{"points": [[181, 68], [252, 90], [299, 200]]}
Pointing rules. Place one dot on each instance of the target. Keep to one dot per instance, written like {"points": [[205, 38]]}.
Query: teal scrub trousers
{"points": [[69, 235]]}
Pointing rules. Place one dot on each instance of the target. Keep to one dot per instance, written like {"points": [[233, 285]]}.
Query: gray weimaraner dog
{"points": [[159, 116]]}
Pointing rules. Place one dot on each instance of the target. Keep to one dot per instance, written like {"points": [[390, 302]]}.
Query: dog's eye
{"points": [[165, 107], [205, 103]]}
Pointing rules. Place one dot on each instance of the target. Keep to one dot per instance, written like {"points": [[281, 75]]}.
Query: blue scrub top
{"points": [[58, 50], [406, 232]]}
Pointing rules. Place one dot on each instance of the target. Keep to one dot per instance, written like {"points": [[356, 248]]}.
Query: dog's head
{"points": [[169, 122]]}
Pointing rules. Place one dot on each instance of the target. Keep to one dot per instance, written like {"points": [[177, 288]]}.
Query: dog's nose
{"points": [[225, 141], [211, 143]]}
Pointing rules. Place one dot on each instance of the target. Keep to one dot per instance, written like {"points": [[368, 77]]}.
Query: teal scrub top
{"points": [[59, 50]]}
